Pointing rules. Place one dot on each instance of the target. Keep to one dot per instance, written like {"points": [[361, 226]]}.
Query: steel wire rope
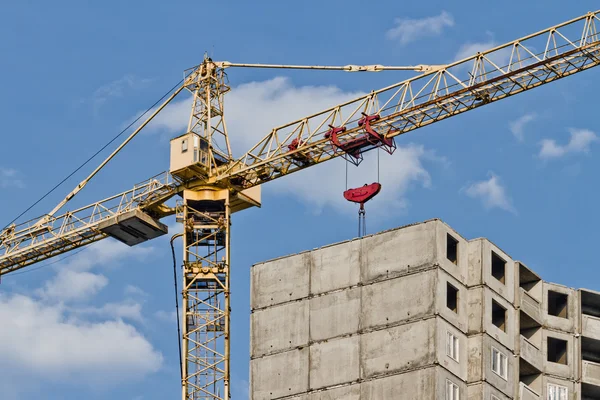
{"points": [[177, 303], [94, 155]]}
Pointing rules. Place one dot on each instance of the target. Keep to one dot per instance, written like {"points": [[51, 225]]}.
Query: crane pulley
{"points": [[213, 184]]}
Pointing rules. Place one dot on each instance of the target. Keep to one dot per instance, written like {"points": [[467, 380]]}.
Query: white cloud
{"points": [[408, 30], [517, 127], [500, 57], [70, 285], [580, 142], [128, 309], [254, 109], [323, 185], [116, 88], [135, 291], [9, 177], [44, 341], [73, 280], [166, 316], [491, 193]]}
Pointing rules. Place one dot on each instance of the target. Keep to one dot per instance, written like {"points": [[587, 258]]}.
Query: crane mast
{"points": [[213, 185]]}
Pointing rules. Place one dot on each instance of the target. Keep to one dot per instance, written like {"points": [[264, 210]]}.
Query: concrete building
{"points": [[419, 313]]}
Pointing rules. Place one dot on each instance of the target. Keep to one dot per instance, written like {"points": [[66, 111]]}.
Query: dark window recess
{"points": [[498, 267], [452, 297], [558, 304], [498, 315], [451, 249], [557, 350]]}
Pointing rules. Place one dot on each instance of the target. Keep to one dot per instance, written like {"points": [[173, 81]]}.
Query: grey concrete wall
{"points": [[279, 281], [279, 328], [456, 367], [560, 370], [568, 324], [480, 300], [480, 269], [279, 375], [368, 319], [484, 391], [480, 363], [460, 318], [571, 386]]}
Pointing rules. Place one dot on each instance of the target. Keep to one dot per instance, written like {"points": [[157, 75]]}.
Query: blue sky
{"points": [[100, 322]]}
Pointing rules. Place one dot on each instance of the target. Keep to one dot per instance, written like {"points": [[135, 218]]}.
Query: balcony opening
{"points": [[451, 249], [498, 316], [498, 267], [590, 303], [451, 297], [527, 372], [558, 304], [590, 350], [589, 391], [530, 329], [557, 351], [530, 282]]}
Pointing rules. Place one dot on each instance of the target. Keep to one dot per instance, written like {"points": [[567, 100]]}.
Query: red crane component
{"points": [[302, 158], [362, 194], [354, 148]]}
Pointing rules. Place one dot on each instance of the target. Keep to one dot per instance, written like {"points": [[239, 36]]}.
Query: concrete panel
{"points": [[484, 391], [283, 374], [550, 380], [460, 317], [334, 362], [553, 368], [504, 336], [398, 349], [457, 367], [480, 363], [459, 268], [475, 300], [480, 269], [530, 306], [567, 324], [442, 379], [335, 267], [481, 301], [531, 354], [527, 393], [279, 328], [398, 252], [590, 373], [590, 327], [351, 392], [335, 314], [419, 384], [280, 280], [398, 299]]}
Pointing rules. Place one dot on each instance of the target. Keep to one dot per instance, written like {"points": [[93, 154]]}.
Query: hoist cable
{"points": [[95, 154]]}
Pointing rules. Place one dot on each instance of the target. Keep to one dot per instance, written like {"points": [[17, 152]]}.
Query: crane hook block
{"points": [[363, 194]]}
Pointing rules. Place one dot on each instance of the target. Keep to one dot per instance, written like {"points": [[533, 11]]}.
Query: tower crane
{"points": [[211, 184]]}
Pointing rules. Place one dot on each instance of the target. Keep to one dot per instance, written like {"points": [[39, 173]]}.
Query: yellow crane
{"points": [[213, 184]]}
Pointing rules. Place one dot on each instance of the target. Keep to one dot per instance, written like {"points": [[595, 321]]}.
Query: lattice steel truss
{"points": [[207, 119], [205, 337], [489, 76], [30, 242]]}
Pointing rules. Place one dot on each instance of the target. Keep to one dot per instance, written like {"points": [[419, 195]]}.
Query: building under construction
{"points": [[419, 312]]}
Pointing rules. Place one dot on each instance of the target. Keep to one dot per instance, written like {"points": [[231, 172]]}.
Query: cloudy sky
{"points": [[101, 321]]}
